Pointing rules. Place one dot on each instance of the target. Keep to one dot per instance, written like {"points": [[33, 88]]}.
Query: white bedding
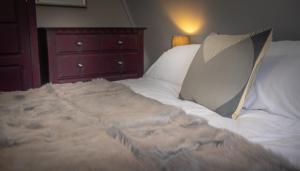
{"points": [[281, 135]]}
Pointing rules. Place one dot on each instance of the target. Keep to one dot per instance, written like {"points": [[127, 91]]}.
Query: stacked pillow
{"points": [[277, 86], [275, 90], [223, 70], [173, 64]]}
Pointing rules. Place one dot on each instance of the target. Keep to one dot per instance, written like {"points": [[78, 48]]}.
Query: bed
{"points": [[276, 131], [282, 135]]}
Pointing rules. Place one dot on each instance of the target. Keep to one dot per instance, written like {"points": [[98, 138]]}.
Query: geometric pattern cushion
{"points": [[224, 69]]}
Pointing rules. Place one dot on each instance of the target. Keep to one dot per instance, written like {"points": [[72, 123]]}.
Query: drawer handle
{"points": [[80, 65], [120, 62], [120, 42], [79, 43]]}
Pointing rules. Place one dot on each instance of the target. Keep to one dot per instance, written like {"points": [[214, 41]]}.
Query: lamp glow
{"points": [[185, 15], [180, 40]]}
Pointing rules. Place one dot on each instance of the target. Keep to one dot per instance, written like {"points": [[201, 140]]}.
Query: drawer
{"points": [[89, 42], [66, 43], [73, 66], [131, 63], [98, 64], [67, 66], [119, 42], [75, 43], [120, 63]]}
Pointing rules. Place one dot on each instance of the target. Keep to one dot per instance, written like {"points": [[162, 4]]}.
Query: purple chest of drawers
{"points": [[81, 54]]}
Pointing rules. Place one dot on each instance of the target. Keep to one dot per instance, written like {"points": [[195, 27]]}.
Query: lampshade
{"points": [[180, 40]]}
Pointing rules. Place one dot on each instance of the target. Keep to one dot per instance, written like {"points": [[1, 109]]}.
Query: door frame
{"points": [[33, 38]]}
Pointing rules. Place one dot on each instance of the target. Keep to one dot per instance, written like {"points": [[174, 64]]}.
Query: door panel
{"points": [[10, 35], [15, 54], [11, 78], [7, 11]]}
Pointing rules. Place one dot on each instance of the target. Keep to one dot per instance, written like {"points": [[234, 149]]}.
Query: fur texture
{"points": [[100, 125]]}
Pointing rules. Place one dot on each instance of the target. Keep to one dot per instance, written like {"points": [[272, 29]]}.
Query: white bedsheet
{"points": [[281, 135]]}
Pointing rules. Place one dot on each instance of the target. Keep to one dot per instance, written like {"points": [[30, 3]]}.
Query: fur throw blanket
{"points": [[100, 125]]}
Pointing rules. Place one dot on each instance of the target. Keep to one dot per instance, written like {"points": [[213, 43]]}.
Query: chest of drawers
{"points": [[81, 54]]}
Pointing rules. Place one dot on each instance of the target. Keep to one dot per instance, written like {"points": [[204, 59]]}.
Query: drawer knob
{"points": [[120, 42], [80, 65], [120, 62], [79, 43]]}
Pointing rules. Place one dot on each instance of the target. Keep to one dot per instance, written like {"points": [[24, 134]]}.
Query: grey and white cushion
{"points": [[223, 70]]}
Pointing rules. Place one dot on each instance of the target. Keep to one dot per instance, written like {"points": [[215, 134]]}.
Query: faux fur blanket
{"points": [[101, 125]]}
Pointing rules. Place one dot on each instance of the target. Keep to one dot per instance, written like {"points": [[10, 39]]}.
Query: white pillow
{"points": [[277, 85], [173, 64]]}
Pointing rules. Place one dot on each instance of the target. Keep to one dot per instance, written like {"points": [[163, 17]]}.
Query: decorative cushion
{"points": [[223, 70]]}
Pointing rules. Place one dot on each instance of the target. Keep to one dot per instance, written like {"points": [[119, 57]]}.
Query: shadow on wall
{"points": [[165, 18]]}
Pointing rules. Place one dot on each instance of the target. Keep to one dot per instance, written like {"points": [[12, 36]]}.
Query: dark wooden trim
{"points": [[141, 43], [51, 44], [36, 79], [64, 5]]}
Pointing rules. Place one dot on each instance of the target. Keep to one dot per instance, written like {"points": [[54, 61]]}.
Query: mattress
{"points": [[280, 135]]}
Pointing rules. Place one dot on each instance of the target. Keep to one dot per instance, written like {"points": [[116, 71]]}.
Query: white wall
{"points": [[99, 13], [223, 16]]}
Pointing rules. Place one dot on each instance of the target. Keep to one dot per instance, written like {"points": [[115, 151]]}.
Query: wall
{"points": [[99, 13], [162, 19]]}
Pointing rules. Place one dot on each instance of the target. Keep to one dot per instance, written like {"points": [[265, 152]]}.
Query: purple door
{"points": [[16, 39]]}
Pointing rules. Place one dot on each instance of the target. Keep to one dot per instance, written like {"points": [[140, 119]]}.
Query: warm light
{"points": [[185, 16], [188, 23], [180, 40]]}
